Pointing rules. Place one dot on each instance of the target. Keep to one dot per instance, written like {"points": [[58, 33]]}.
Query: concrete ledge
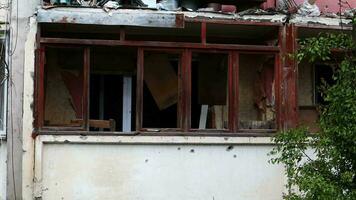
{"points": [[182, 140], [321, 22]]}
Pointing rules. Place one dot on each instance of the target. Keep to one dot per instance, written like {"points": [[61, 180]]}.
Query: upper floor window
{"points": [[126, 89]]}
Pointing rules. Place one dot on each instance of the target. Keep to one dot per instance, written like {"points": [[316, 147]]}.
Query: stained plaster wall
{"points": [[248, 71], [160, 168], [20, 145]]}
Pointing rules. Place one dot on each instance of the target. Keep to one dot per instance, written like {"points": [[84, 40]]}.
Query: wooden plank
{"points": [[127, 104], [101, 124], [161, 80], [203, 116]]}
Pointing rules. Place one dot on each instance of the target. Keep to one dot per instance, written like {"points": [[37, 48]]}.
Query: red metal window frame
{"points": [[41, 90], [186, 49], [139, 89]]}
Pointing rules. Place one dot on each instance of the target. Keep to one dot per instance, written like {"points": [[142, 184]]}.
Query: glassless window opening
{"points": [[310, 80], [112, 89], [64, 87], [158, 90], [209, 91], [257, 91]]}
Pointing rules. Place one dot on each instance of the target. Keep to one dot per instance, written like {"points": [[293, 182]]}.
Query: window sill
{"points": [[241, 133]]}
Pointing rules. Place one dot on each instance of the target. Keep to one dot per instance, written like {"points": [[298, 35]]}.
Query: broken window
{"points": [[160, 90], [64, 87], [311, 79], [209, 91], [257, 97], [112, 89]]}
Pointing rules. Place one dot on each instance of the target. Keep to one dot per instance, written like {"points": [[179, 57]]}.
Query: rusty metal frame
{"points": [[230, 91], [40, 84], [233, 22], [139, 94], [157, 44], [185, 50]]}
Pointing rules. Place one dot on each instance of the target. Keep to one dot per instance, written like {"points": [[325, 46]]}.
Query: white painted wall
{"points": [[2, 169], [73, 169]]}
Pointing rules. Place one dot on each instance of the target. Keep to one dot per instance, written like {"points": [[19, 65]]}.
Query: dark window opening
{"points": [[209, 97], [323, 74], [160, 91], [310, 97], [112, 89]]}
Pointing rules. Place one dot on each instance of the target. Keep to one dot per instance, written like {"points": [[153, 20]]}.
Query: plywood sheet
{"points": [[161, 80]]}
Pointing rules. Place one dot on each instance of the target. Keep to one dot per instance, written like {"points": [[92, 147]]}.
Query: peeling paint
{"points": [[28, 107]]}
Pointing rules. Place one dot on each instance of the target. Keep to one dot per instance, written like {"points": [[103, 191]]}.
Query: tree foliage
{"points": [[323, 165]]}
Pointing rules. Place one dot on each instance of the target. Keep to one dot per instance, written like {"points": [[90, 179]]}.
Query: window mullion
{"points": [[86, 86], [139, 88]]}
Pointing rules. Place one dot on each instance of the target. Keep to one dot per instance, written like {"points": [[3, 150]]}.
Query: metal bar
{"points": [[231, 89], [139, 88], [280, 102], [293, 39], [254, 48], [41, 88], [180, 104], [86, 87], [203, 33], [127, 104], [278, 72], [233, 22], [234, 91]]}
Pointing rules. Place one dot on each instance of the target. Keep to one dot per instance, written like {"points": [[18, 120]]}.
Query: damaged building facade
{"points": [[146, 99]]}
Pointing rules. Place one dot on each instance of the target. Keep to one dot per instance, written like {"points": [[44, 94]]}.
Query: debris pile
{"points": [[305, 8], [309, 8]]}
